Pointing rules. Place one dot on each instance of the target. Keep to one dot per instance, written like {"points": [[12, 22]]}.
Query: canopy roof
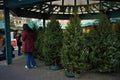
{"points": [[63, 9]]}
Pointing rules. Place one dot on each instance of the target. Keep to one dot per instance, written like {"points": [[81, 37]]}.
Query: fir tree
{"points": [[73, 53], [105, 54], [39, 43], [52, 42]]}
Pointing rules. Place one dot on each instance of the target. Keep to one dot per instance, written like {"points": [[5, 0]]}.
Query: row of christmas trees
{"points": [[72, 50]]}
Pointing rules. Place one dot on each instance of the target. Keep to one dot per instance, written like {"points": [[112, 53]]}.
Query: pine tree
{"points": [[73, 53], [105, 54], [39, 43], [52, 42]]}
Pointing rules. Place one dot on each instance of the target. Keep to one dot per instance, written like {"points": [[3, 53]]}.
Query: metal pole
{"points": [[44, 23], [7, 36]]}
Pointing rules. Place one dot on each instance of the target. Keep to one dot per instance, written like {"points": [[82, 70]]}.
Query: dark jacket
{"points": [[19, 42]]}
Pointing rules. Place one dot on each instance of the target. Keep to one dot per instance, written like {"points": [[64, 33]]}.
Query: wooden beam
{"points": [[1, 7], [20, 3], [43, 9], [29, 14], [88, 9], [114, 13]]}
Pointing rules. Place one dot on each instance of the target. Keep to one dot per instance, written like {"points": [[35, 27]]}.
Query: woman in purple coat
{"points": [[28, 46]]}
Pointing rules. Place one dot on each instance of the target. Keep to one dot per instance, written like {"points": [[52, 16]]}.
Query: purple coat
{"points": [[28, 41]]}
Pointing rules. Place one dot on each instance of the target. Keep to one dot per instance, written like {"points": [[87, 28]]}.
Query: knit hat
{"points": [[30, 24]]}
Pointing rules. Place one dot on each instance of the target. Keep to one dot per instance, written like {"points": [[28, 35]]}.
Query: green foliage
{"points": [[39, 43], [52, 42], [36, 31], [105, 55], [73, 53]]}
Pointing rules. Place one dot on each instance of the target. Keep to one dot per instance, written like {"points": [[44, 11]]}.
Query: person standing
{"points": [[19, 43], [28, 46]]}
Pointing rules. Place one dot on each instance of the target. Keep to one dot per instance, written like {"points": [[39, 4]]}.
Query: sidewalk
{"points": [[17, 71]]}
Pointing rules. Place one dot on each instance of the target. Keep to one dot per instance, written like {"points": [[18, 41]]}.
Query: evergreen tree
{"points": [[74, 52], [39, 43], [52, 42], [105, 55]]}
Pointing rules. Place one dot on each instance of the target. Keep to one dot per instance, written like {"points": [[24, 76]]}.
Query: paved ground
{"points": [[16, 71]]}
